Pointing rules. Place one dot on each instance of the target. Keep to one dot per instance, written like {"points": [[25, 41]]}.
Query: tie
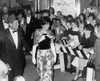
{"points": [[14, 31]]}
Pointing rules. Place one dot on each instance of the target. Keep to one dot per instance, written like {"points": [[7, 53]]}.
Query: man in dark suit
{"points": [[97, 55], [30, 27], [11, 48], [4, 22]]}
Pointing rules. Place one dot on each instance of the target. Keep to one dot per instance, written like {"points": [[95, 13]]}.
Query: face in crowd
{"points": [[14, 25]]}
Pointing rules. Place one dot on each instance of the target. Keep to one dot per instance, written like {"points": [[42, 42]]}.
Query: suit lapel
{"points": [[19, 38], [9, 36]]}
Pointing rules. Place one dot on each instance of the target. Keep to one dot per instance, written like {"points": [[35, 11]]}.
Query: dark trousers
{"points": [[14, 72], [65, 60], [29, 32]]}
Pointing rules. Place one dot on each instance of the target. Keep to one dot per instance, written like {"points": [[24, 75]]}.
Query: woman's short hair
{"points": [[89, 27], [45, 20], [12, 17], [83, 15], [69, 17], [52, 9], [92, 15]]}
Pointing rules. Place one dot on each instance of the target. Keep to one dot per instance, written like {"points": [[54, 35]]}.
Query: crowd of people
{"points": [[42, 35]]}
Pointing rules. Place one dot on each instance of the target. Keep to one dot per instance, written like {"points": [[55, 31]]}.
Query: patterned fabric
{"points": [[84, 53], [45, 61]]}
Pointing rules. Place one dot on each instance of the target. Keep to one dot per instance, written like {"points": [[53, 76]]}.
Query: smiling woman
{"points": [[45, 56]]}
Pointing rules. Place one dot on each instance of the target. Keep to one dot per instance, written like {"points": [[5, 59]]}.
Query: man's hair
{"points": [[45, 20], [12, 16]]}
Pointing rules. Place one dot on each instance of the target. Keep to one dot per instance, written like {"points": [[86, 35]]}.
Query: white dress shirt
{"points": [[57, 29], [15, 37], [28, 19]]}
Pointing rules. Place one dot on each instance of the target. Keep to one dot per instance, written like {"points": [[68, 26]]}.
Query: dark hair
{"points": [[12, 12], [44, 11], [92, 15], [20, 11], [69, 17], [83, 15], [89, 27], [53, 20], [74, 21], [58, 20], [69, 21], [97, 24], [38, 12], [45, 20], [12, 16], [52, 9]]}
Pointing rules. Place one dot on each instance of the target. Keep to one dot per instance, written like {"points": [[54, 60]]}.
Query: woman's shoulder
{"points": [[93, 36]]}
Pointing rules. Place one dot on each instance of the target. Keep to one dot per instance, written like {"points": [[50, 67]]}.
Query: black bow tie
{"points": [[14, 31]]}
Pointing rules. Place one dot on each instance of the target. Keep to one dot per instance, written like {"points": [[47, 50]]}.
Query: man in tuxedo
{"points": [[11, 48], [30, 27], [4, 22]]}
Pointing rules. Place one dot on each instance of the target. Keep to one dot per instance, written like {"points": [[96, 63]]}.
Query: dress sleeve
{"points": [[36, 37]]}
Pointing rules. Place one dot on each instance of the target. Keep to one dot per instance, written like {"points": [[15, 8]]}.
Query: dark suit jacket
{"points": [[8, 52], [89, 42], [1, 26], [30, 28]]}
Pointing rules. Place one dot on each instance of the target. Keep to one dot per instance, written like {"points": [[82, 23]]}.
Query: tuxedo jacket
{"points": [[8, 51], [31, 27], [1, 25]]}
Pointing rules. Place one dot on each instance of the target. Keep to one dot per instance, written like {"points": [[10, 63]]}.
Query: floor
{"points": [[30, 73]]}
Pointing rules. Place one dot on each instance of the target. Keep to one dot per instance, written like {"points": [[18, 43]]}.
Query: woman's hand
{"points": [[34, 60], [80, 47]]}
